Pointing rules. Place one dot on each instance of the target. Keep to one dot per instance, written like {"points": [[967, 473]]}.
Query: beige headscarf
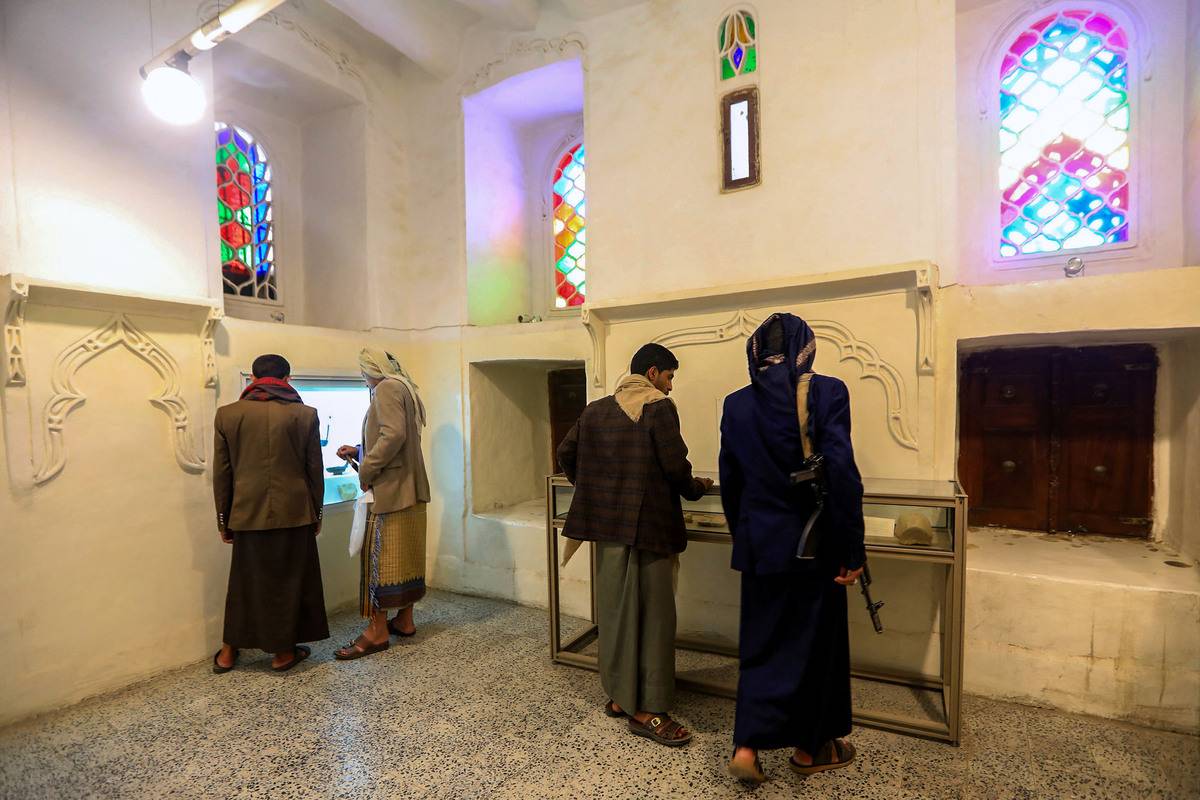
{"points": [[379, 364], [634, 393]]}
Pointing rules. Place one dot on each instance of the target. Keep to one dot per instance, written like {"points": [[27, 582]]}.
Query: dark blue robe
{"points": [[794, 648]]}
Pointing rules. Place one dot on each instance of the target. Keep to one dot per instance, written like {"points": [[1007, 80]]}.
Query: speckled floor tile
{"points": [[472, 708]]}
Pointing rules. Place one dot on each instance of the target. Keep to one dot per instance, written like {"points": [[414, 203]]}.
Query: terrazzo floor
{"points": [[472, 708]]}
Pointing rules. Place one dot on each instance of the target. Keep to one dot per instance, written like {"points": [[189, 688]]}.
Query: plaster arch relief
{"points": [[520, 53], [119, 330], [849, 348]]}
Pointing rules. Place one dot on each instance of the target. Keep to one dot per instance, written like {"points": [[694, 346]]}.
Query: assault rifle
{"points": [[872, 607]]}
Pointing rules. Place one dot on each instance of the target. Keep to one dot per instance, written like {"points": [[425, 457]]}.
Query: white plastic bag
{"points": [[358, 528]]}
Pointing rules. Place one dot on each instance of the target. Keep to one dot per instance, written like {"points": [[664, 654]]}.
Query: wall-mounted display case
{"points": [[908, 679]]}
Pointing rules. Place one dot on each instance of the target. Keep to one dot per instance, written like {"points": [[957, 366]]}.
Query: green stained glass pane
{"points": [[223, 154], [244, 217], [246, 255], [750, 27], [751, 59], [727, 70], [226, 252], [243, 162], [721, 33], [223, 213]]}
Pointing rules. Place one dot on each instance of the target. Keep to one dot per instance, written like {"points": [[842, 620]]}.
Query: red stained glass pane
{"points": [[235, 234], [233, 197]]}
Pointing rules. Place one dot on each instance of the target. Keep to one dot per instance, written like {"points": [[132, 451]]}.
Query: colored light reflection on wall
{"points": [[1064, 135]]}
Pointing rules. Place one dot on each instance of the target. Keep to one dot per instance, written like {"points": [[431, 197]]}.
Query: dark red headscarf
{"points": [[271, 389]]}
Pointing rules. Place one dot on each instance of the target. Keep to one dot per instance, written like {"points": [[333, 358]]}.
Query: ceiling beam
{"points": [[429, 34]]}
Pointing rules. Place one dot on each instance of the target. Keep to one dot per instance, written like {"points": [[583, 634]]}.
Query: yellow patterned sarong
{"points": [[393, 560]]}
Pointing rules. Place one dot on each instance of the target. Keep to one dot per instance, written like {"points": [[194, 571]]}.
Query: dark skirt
{"points": [[794, 649], [275, 597]]}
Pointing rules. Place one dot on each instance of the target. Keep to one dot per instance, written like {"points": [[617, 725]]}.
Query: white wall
{"points": [[1191, 145], [1183, 530]]}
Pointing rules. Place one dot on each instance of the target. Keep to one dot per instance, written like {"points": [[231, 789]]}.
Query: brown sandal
{"points": [[662, 729], [359, 648], [394, 631], [835, 754], [610, 708], [299, 653]]}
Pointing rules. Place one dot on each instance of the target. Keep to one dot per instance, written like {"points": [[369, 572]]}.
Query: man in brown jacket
{"points": [[268, 484], [629, 465]]}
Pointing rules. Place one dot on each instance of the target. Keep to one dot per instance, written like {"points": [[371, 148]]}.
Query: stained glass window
{"points": [[1064, 135], [737, 45], [244, 215], [570, 230]]}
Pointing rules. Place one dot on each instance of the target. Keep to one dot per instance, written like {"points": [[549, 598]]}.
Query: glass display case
{"points": [[341, 403], [907, 679]]}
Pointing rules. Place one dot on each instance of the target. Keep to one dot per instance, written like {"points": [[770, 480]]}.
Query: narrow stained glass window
{"points": [[244, 215], [1064, 135], [570, 230], [737, 44]]}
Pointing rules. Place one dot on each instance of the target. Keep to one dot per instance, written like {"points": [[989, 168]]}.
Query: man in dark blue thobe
{"points": [[794, 645]]}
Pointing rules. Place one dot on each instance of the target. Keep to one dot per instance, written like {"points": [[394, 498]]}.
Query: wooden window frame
{"points": [[750, 95]]}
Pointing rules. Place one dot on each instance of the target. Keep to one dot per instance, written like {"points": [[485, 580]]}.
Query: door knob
{"points": [[1008, 466], [1100, 470]]}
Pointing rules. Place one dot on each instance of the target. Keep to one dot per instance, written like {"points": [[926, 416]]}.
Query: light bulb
{"points": [[173, 96]]}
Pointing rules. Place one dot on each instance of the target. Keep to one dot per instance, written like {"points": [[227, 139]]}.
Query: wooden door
{"points": [[1059, 439], [568, 397], [1105, 428], [1004, 428]]}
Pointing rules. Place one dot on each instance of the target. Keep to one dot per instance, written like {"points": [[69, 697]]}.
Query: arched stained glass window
{"points": [[737, 44], [570, 229], [1064, 135], [244, 215]]}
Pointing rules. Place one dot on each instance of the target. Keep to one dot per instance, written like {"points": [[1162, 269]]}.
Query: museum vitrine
{"points": [[907, 679]]}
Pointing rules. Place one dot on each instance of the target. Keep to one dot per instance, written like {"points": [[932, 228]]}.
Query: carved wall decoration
{"points": [[565, 46], [208, 347], [597, 329], [119, 330], [14, 332], [849, 347], [925, 345]]}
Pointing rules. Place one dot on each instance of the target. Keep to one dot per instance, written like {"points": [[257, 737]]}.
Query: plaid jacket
{"points": [[628, 477]]}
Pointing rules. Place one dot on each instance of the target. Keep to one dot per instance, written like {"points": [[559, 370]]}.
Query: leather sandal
{"points": [[218, 669], [299, 653], [359, 648], [744, 773], [662, 729], [610, 709], [834, 754], [394, 631]]}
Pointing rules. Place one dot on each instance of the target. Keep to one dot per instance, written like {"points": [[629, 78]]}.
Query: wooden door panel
{"points": [[1004, 428], [1106, 429], [568, 396]]}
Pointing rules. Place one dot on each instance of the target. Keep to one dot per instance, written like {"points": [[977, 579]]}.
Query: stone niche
{"points": [[512, 442]]}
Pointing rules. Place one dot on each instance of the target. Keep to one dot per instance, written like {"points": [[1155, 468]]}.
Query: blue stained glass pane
{"points": [[260, 192], [1105, 220], [1007, 101], [1062, 187], [1039, 57], [1106, 60], [264, 270], [260, 171], [1119, 78], [262, 251], [737, 57], [562, 186], [1084, 202], [260, 212], [1060, 31], [262, 233], [241, 143], [224, 136]]}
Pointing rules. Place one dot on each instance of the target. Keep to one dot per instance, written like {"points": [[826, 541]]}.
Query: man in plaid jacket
{"points": [[629, 465]]}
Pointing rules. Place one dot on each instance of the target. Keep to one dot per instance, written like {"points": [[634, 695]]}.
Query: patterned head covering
{"points": [[381, 365], [782, 338]]}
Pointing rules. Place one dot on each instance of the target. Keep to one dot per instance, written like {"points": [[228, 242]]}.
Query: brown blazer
{"points": [[267, 467], [628, 477], [392, 464]]}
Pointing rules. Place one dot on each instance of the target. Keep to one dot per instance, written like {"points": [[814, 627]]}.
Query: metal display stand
{"points": [[947, 505]]}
